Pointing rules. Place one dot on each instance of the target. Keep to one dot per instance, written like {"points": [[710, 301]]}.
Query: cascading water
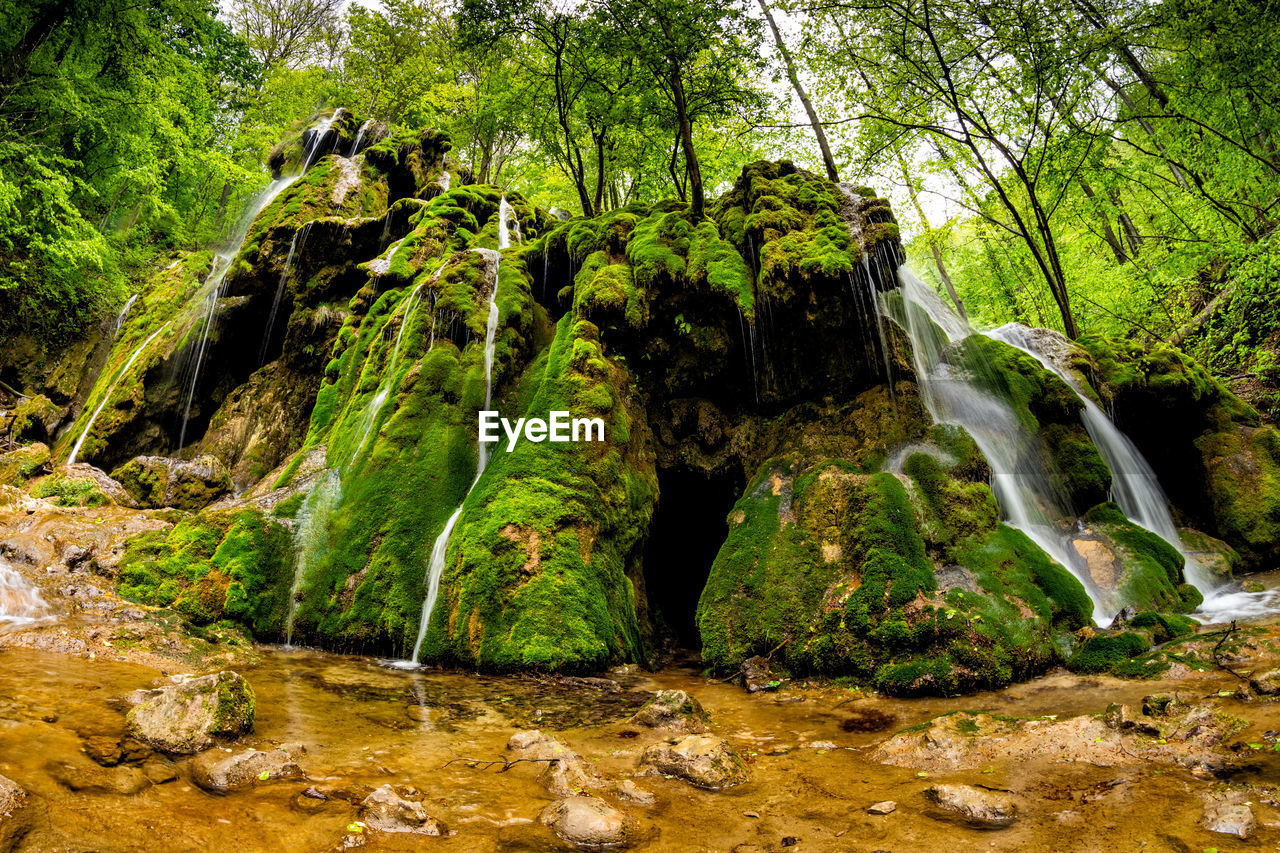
{"points": [[355, 146], [1020, 474], [435, 565], [124, 313], [21, 604], [854, 226], [299, 237], [223, 259], [75, 450], [1136, 489], [311, 537]]}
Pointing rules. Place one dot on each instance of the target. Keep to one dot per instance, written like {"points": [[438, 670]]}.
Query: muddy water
{"points": [[365, 725]]}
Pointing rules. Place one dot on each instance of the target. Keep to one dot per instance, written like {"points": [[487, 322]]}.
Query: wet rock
{"points": [[705, 761], [81, 472], [187, 716], [218, 771], [1266, 683], [1228, 818], [103, 750], [566, 773], [672, 709], [1122, 718], [160, 771], [92, 779], [882, 808], [630, 792], [386, 811], [589, 822], [158, 481], [421, 714], [15, 815], [756, 676], [1160, 704], [978, 807]]}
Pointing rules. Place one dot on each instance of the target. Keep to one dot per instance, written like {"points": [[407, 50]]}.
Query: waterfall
{"points": [[124, 312], [1020, 474], [853, 222], [355, 146], [21, 604], [75, 450], [299, 236], [311, 537], [1136, 489], [227, 254], [435, 565]]}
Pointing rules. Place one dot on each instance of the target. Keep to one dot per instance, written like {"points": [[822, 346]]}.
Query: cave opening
{"points": [[689, 526]]}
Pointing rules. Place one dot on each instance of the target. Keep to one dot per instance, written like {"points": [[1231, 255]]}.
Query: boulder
{"points": [[977, 807], [705, 761], [566, 773], [672, 709], [386, 811], [589, 822], [159, 481], [15, 816], [187, 716], [81, 484], [218, 772], [18, 466]]}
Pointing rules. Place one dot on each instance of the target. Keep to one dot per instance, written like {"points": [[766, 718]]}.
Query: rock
{"points": [[589, 822], [420, 713], [705, 761], [386, 811], [158, 481], [884, 807], [15, 817], [975, 806], [567, 774], [91, 779], [187, 716], [1228, 818], [756, 676], [1266, 683], [86, 484], [633, 793], [103, 750], [160, 771], [672, 709], [218, 772], [1122, 718], [18, 466]]}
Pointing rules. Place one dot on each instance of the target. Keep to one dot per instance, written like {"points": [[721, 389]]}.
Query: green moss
{"points": [[1104, 652], [1164, 626], [66, 490], [1152, 568], [214, 566]]}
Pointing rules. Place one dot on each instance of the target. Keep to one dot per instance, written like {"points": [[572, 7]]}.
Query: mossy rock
{"points": [[20, 465], [1129, 564], [158, 481], [35, 419]]}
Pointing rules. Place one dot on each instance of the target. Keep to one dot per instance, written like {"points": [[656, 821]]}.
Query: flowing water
{"points": [[1136, 489], [223, 259], [439, 548], [311, 538], [299, 238], [88, 427], [364, 725], [124, 313], [21, 604]]}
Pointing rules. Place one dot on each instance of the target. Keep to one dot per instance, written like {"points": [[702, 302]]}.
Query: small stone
{"points": [[218, 772], [92, 779], [821, 744], [160, 771], [705, 761], [884, 807], [1266, 683], [975, 806], [386, 811], [756, 676], [1229, 819], [588, 821], [672, 709], [15, 817], [103, 750], [633, 793], [420, 714]]}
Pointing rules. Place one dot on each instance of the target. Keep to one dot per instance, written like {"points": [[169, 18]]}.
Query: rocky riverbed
{"points": [[107, 745]]}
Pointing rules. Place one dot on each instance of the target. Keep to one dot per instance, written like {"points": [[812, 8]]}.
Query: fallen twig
{"points": [[506, 763]]}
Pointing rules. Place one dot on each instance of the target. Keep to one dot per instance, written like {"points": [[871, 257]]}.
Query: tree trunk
{"points": [[931, 239], [697, 200], [1108, 234], [827, 159]]}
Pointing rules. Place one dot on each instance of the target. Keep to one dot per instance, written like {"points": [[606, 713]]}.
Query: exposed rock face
{"points": [[191, 714], [589, 822], [974, 806], [158, 481], [386, 811], [672, 709], [705, 761], [219, 772], [15, 817]]}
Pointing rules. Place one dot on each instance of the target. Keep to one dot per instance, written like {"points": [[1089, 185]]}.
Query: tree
{"points": [[286, 33]]}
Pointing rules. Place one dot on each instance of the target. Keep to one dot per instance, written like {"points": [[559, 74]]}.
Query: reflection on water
{"points": [[364, 724]]}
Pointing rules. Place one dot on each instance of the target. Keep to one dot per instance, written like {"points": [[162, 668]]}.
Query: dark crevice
{"points": [[689, 526]]}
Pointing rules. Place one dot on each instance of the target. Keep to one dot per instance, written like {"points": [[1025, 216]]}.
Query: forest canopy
{"points": [[1089, 165]]}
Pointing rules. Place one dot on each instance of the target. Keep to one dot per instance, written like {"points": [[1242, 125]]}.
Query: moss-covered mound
{"points": [[218, 566], [1218, 462]]}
